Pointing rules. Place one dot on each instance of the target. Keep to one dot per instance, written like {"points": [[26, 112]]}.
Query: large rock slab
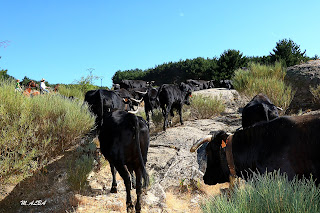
{"points": [[301, 78]]}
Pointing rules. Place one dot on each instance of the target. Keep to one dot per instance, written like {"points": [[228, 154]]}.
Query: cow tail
{"points": [[159, 90], [137, 139]]}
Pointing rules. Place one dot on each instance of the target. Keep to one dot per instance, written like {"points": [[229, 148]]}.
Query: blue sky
{"points": [[62, 40]]}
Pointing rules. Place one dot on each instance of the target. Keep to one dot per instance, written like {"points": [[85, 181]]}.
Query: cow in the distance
{"points": [[125, 84], [124, 142], [151, 102], [116, 86], [260, 108], [199, 84], [226, 84], [289, 144], [173, 97]]}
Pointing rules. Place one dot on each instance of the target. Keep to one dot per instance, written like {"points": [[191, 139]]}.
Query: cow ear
{"points": [[221, 137]]}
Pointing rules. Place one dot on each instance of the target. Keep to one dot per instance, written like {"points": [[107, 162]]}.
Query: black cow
{"points": [[151, 101], [199, 84], [173, 97], [124, 142], [226, 84], [133, 84], [129, 96], [260, 108], [290, 144], [116, 86], [101, 101], [138, 93]]}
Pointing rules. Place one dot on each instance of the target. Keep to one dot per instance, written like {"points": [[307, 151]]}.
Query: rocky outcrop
{"points": [[301, 78]]}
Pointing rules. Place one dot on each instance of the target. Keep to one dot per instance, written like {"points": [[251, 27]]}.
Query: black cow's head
{"points": [[217, 168], [272, 111], [186, 90], [153, 98]]}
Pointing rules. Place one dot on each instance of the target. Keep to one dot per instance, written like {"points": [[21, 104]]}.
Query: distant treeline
{"points": [[286, 52]]}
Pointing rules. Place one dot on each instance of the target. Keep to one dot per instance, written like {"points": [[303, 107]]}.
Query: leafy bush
{"points": [[270, 192], [264, 79], [33, 130], [79, 171]]}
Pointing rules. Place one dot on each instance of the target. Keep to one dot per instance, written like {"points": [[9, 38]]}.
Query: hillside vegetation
{"points": [[34, 130], [267, 79], [270, 192]]}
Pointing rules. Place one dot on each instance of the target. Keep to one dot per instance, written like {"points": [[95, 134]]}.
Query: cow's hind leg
{"points": [[114, 181], [148, 117], [172, 115], [165, 112], [124, 173], [138, 189]]}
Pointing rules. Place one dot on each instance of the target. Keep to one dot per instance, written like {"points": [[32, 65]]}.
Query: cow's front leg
{"points": [[138, 190], [114, 181], [180, 114]]}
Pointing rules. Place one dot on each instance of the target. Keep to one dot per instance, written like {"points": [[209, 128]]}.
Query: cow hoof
{"points": [[130, 207], [133, 186], [113, 189]]}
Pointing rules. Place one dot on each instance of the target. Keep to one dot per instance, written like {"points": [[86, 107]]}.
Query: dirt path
{"points": [[175, 174]]}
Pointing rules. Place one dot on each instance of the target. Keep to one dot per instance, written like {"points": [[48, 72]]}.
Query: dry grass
{"points": [[264, 79]]}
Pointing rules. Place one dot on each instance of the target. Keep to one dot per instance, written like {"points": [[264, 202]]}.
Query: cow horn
{"points": [[135, 100], [279, 108], [142, 93], [200, 142], [133, 112]]}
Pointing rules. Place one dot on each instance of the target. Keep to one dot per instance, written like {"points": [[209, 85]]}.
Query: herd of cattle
{"points": [[266, 141]]}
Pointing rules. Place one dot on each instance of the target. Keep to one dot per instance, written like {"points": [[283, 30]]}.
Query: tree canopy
{"points": [[288, 52]]}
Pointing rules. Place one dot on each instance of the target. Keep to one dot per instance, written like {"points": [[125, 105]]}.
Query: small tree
{"points": [[229, 61], [288, 52], [86, 83]]}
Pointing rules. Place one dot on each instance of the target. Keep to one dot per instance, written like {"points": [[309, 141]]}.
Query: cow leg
{"points": [[114, 181], [148, 117], [126, 179], [165, 112], [133, 180], [138, 189], [180, 114], [172, 115]]}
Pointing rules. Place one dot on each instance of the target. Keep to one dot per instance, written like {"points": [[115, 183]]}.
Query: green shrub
{"points": [[270, 192], [78, 172], [264, 79], [203, 107], [71, 90], [33, 130]]}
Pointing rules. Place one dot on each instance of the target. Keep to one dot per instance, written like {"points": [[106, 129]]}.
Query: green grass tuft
{"points": [[270, 192]]}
